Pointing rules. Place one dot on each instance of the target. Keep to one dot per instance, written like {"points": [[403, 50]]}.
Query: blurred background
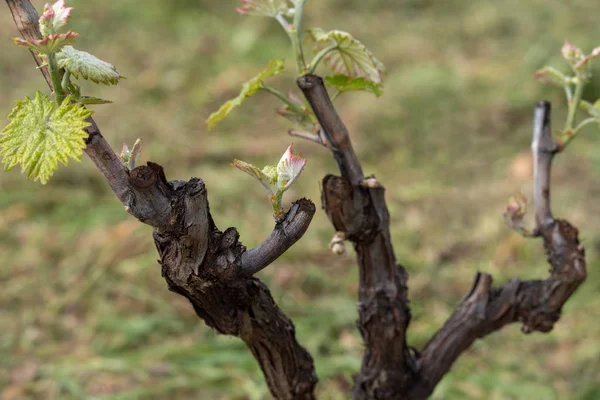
{"points": [[85, 313]]}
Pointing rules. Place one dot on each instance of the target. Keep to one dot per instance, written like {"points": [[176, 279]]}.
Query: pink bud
{"points": [[54, 17], [571, 53], [515, 211]]}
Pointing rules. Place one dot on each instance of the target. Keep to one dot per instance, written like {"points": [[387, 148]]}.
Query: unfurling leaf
{"points": [[48, 44], [40, 134], [289, 168], [88, 66], [350, 57], [129, 157], [264, 8], [276, 179], [254, 172], [54, 17], [345, 84], [271, 172], [248, 89], [551, 76]]}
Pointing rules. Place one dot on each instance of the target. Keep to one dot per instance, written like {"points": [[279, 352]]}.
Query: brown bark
{"points": [[357, 208]]}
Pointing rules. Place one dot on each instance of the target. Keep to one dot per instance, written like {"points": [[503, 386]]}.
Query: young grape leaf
{"points": [[256, 173], [47, 44], [289, 167], [551, 76], [344, 83], [40, 134], [349, 57], [88, 66], [263, 8], [248, 89]]}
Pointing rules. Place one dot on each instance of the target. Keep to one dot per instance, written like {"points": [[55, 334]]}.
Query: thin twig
{"points": [[318, 138], [305, 135]]}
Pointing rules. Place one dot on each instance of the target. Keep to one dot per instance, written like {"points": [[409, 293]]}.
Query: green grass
{"points": [[86, 314]]}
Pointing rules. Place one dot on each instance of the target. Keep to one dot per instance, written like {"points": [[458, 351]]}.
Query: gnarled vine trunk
{"points": [[215, 271]]}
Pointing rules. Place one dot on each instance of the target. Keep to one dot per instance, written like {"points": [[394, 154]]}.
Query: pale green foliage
{"points": [[344, 83], [552, 76], [349, 57], [248, 89], [40, 134], [264, 178], [88, 66], [271, 172]]}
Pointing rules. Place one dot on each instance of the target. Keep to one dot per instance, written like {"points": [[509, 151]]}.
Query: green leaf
{"points": [[271, 172], [350, 57], [256, 173], [88, 66], [345, 84], [40, 134], [248, 89]]}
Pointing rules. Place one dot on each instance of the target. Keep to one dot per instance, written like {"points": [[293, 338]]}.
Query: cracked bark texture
{"points": [[203, 264], [212, 269]]}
